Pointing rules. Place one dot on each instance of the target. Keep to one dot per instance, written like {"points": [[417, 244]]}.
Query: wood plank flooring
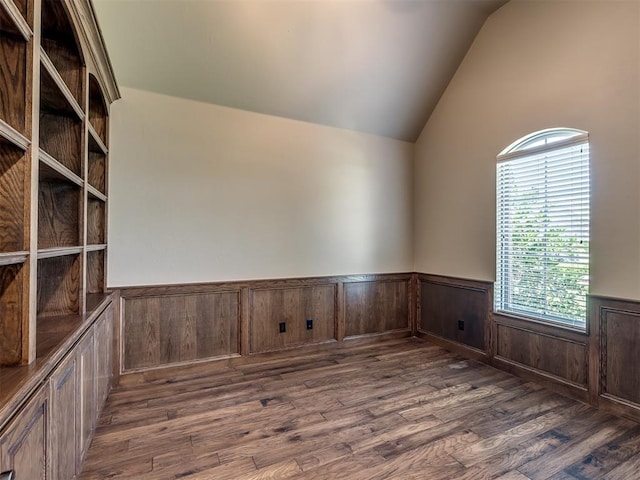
{"points": [[397, 409]]}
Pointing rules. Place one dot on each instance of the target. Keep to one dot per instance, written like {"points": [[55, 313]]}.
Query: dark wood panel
{"points": [[58, 215], [11, 301], [59, 286], [13, 81], [61, 137], [561, 358], [161, 330], [96, 222], [60, 42], [64, 396], [293, 307], [23, 445], [445, 302], [104, 332], [86, 411], [95, 272], [97, 172], [376, 307], [12, 193], [97, 109], [620, 352]]}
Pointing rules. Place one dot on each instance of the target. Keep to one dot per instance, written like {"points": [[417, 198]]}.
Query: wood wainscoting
{"points": [[615, 339], [182, 324], [455, 313]]}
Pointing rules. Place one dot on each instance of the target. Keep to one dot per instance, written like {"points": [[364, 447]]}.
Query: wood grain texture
{"points": [[61, 137], [58, 215], [23, 444], [87, 408], [13, 81], [96, 175], [376, 307], [559, 357], [292, 306], [396, 409], [59, 286], [60, 43], [104, 333], [97, 109], [11, 301], [96, 221], [161, 330], [446, 301], [62, 424], [12, 198], [95, 272], [617, 325]]}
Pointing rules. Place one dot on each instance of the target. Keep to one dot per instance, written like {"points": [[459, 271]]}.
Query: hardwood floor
{"points": [[399, 409]]}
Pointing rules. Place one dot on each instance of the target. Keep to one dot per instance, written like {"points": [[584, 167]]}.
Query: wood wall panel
{"points": [[616, 325], [553, 355], [62, 425], [444, 302], [376, 307], [162, 330], [292, 306]]}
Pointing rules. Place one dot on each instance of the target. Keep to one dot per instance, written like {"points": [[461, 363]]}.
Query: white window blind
{"points": [[543, 189]]}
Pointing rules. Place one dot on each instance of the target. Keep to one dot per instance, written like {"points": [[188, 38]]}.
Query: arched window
{"points": [[543, 191]]}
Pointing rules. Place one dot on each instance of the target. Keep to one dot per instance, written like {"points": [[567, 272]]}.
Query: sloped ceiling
{"points": [[375, 66]]}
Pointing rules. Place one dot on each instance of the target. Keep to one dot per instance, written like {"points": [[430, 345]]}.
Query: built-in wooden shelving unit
{"points": [[53, 176]]}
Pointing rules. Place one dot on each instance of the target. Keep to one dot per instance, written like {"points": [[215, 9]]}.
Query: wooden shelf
{"points": [[11, 314], [60, 45], [10, 135], [95, 142], [60, 297], [97, 110], [13, 258], [51, 169], [12, 18], [14, 58], [96, 248], [95, 194], [59, 214], [53, 331], [13, 172], [59, 82], [95, 272], [96, 221], [58, 252]]}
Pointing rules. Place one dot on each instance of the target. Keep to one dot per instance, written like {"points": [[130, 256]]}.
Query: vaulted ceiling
{"points": [[375, 66]]}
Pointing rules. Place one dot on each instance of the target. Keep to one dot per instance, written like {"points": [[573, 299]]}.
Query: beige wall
{"points": [[536, 65], [200, 192]]}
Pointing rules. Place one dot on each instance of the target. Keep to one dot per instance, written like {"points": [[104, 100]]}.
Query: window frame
{"points": [[520, 150]]}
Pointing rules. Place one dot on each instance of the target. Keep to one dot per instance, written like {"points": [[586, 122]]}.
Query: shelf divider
{"points": [[11, 11], [10, 134], [13, 258], [53, 72], [58, 252], [96, 138], [63, 173], [96, 193]]}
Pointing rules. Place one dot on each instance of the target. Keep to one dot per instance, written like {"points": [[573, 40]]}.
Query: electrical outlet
{"points": [[309, 323], [283, 327], [460, 324]]}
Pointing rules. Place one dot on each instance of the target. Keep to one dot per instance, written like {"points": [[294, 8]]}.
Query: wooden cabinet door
{"points": [[104, 356], [23, 444], [63, 431], [85, 419]]}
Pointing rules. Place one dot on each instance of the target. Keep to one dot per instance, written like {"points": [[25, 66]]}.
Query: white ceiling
{"points": [[375, 66]]}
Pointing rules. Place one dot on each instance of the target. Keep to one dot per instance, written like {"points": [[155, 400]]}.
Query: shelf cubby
{"points": [[96, 175], [14, 58], [95, 272], [13, 163], [60, 125], [61, 46], [59, 213], [97, 109], [96, 221], [11, 314], [59, 281]]}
